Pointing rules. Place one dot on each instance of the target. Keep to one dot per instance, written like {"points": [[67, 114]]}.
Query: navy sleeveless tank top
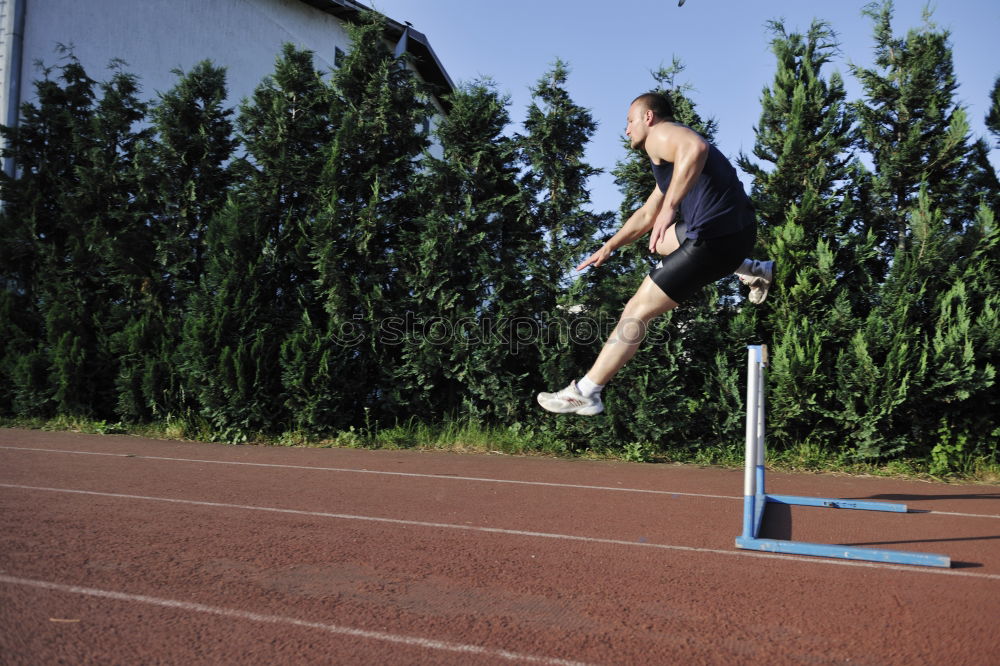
{"points": [[717, 205]]}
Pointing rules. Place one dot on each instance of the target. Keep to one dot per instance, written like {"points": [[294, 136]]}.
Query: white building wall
{"points": [[156, 36], [7, 42]]}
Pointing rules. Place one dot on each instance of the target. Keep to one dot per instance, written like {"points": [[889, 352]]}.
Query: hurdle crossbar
{"points": [[755, 498]]}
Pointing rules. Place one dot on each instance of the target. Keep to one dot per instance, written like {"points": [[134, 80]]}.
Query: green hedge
{"points": [[309, 263]]}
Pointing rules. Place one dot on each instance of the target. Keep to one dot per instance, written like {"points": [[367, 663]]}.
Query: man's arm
{"points": [[640, 222], [688, 152]]}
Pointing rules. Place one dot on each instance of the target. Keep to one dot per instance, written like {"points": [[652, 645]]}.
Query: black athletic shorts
{"points": [[698, 262]]}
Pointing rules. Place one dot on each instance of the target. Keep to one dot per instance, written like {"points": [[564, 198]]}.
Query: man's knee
{"points": [[637, 309], [648, 302], [636, 316]]}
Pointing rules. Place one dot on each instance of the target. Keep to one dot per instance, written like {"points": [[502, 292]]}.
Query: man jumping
{"points": [[718, 231]]}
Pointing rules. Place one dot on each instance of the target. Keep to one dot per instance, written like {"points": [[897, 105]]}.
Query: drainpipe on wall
{"points": [[14, 75]]}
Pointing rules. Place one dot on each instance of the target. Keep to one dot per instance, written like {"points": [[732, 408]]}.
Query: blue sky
{"points": [[724, 44]]}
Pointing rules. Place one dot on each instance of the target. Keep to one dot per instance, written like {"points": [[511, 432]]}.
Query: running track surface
{"points": [[127, 550]]}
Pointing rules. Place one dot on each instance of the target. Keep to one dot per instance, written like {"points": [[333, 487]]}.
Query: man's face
{"points": [[636, 128]]}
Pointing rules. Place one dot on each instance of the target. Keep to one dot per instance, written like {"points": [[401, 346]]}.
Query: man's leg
{"points": [[648, 303], [584, 397]]}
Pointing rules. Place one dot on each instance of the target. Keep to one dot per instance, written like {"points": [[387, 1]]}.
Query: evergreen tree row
{"points": [[315, 260]]}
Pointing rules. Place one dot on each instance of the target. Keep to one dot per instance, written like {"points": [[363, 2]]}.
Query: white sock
{"points": [[588, 388], [746, 268]]}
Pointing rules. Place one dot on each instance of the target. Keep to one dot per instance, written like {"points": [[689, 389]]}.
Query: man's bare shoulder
{"points": [[666, 136]]}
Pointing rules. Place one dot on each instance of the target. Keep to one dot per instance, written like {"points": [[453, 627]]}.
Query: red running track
{"points": [[127, 550]]}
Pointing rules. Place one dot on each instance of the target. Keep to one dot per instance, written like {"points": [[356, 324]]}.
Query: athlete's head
{"points": [[645, 111]]}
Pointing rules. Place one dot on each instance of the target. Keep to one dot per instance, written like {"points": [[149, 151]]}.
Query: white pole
{"points": [[749, 472], [760, 450]]}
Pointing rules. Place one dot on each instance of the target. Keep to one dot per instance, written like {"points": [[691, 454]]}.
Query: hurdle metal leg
{"points": [[755, 498]]}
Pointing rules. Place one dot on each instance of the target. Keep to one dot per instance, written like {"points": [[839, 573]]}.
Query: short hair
{"points": [[658, 103]]}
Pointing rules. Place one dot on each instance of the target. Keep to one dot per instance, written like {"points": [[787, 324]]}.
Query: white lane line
{"points": [[413, 641], [380, 472], [956, 513], [348, 470], [510, 532]]}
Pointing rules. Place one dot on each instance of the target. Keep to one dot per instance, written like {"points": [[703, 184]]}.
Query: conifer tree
{"points": [[906, 384], [258, 272], [336, 366], [962, 350], [557, 131], [809, 228], [36, 239], [469, 277], [115, 181], [194, 143], [919, 364], [194, 140], [913, 128], [79, 240]]}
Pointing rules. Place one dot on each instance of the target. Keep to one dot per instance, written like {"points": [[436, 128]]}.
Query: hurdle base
{"points": [[755, 497], [754, 506], [843, 552], [837, 503]]}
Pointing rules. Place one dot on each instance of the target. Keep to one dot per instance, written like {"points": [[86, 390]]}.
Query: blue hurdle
{"points": [[755, 499]]}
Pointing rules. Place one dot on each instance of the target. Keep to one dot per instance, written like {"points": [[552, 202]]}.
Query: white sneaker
{"points": [[571, 401], [759, 280]]}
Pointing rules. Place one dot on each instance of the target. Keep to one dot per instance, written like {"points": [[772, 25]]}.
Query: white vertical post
{"points": [[760, 450], [750, 463]]}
